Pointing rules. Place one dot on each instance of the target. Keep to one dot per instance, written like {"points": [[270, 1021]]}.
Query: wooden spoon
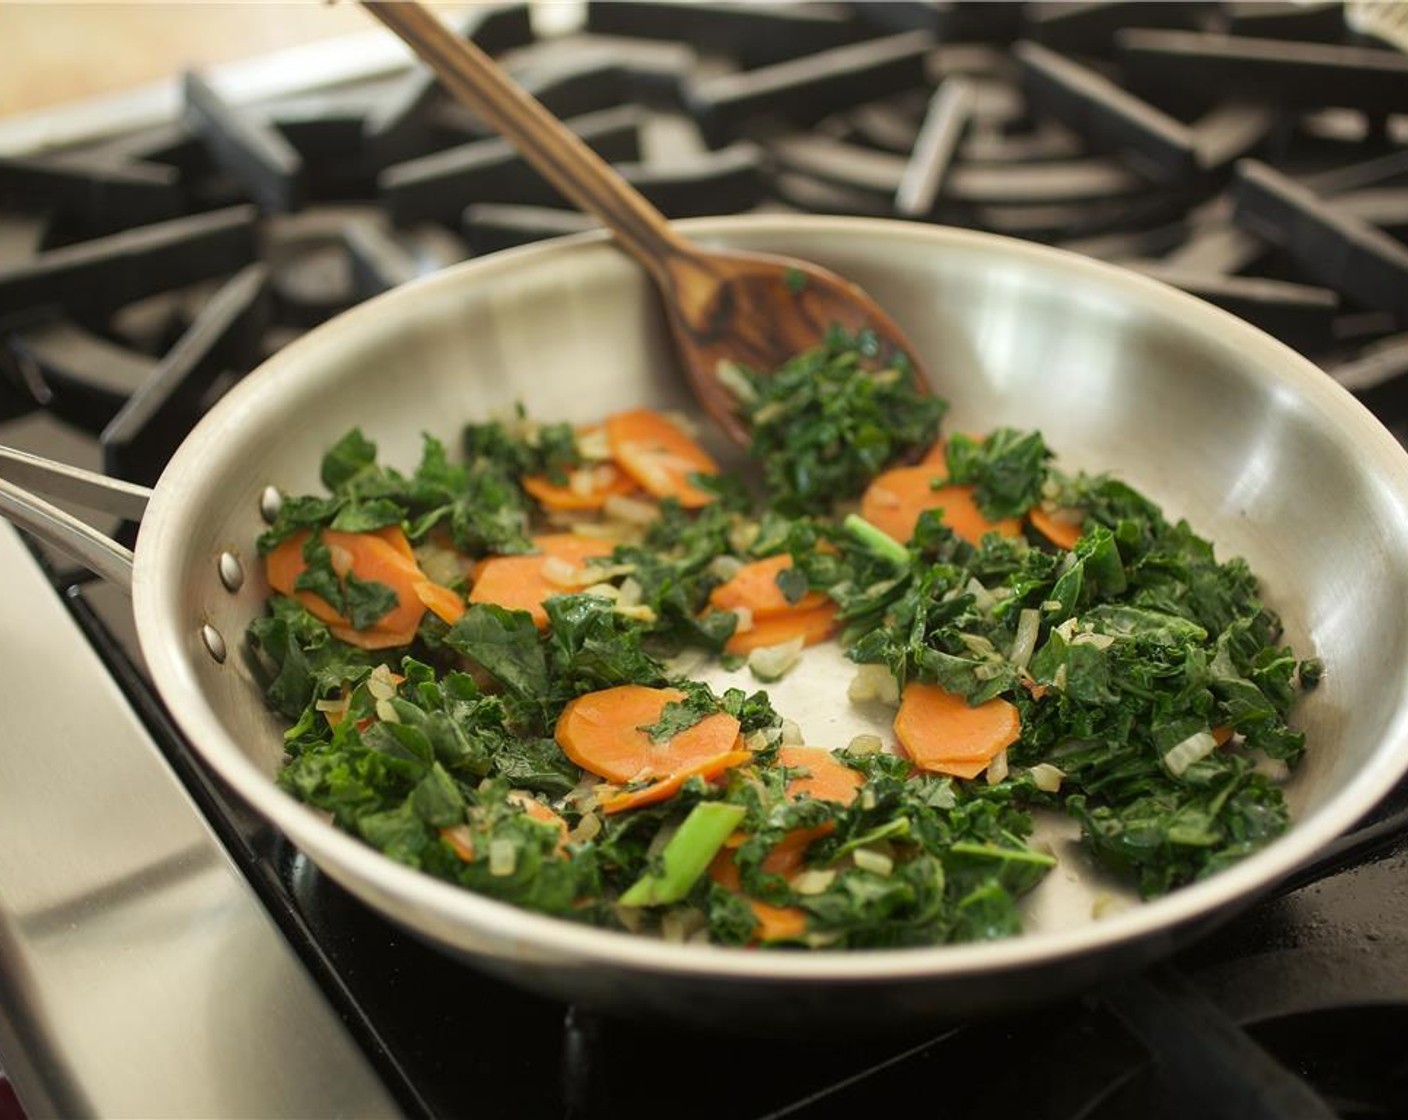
{"points": [[753, 309]]}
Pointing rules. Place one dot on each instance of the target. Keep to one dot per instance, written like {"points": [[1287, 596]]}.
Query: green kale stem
{"points": [[876, 540], [686, 855]]}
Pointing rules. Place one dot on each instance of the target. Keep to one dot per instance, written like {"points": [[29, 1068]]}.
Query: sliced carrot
{"points": [[667, 788], [787, 854], [368, 556], [1221, 733], [395, 536], [540, 812], [444, 603], [374, 637], [1059, 531], [659, 456], [461, 840], [812, 626], [517, 583], [936, 456], [940, 732], [827, 779], [754, 587], [895, 499], [601, 732], [774, 923], [597, 483]]}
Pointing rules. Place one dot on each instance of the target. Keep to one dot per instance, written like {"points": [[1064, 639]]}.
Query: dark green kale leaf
{"points": [[303, 662], [1008, 469], [827, 421], [506, 644]]}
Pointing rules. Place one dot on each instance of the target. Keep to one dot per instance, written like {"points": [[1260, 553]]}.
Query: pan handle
{"points": [[76, 539]]}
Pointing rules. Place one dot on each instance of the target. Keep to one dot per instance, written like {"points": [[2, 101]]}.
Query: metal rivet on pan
{"points": [[214, 643], [269, 503], [231, 571]]}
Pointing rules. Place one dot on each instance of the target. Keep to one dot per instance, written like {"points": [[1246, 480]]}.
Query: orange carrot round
{"points": [[811, 625], [773, 923], [441, 601], [659, 456], [666, 788], [827, 779], [1058, 530], [940, 732], [368, 556], [754, 587], [601, 732], [604, 480], [895, 499], [517, 583]]}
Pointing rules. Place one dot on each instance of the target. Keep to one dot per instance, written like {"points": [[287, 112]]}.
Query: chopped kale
{"points": [[1145, 670], [825, 423]]}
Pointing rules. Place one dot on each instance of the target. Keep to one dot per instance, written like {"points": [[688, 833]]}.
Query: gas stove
{"points": [[162, 951]]}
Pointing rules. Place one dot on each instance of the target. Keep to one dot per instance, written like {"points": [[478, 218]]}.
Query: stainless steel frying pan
{"points": [[1218, 422]]}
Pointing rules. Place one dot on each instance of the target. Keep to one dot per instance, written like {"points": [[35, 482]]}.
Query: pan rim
{"points": [[539, 936]]}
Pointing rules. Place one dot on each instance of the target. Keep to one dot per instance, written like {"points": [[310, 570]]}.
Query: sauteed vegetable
{"points": [[485, 664]]}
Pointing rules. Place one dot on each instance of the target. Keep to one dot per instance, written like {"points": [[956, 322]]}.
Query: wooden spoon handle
{"points": [[558, 154]]}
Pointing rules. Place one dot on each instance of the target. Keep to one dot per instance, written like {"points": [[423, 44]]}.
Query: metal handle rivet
{"points": [[231, 571], [270, 502], [214, 643]]}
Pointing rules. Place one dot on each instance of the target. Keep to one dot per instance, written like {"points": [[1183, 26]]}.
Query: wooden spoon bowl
{"points": [[751, 309]]}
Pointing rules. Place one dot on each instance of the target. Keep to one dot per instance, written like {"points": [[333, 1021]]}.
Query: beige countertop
{"points": [[60, 52]]}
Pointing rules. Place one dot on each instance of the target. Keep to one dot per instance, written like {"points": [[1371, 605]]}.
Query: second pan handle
{"points": [[24, 478]]}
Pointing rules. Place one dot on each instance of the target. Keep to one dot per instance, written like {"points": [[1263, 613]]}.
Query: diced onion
{"points": [[1193, 749], [380, 684], [629, 916], [997, 768], [603, 591], [732, 378], [678, 926], [640, 613], [593, 444], [866, 744], [386, 712], [1106, 905], [631, 510], [813, 881], [877, 863], [587, 828], [338, 704], [725, 567], [560, 572], [874, 682], [630, 593], [791, 734], [771, 663], [440, 565], [582, 483], [1023, 645], [982, 597], [976, 643], [1046, 777], [340, 559], [503, 857], [745, 620]]}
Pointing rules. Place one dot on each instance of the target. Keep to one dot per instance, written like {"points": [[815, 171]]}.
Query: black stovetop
{"points": [[1235, 150]]}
